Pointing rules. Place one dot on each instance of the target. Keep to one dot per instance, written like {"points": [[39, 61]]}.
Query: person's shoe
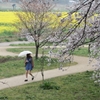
{"points": [[26, 80], [32, 77]]}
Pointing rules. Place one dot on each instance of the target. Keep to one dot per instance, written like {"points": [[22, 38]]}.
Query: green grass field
{"points": [[82, 51], [70, 87], [18, 50]]}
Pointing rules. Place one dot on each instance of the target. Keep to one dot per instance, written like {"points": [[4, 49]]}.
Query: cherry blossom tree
{"points": [[41, 22], [36, 19], [89, 32], [86, 30]]}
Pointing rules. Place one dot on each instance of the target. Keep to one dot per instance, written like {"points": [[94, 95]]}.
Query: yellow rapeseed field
{"points": [[6, 21], [8, 18]]}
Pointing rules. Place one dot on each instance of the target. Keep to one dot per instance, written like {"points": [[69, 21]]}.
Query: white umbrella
{"points": [[24, 53]]}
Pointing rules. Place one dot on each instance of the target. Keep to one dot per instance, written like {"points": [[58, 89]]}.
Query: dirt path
{"points": [[19, 80], [4, 52]]}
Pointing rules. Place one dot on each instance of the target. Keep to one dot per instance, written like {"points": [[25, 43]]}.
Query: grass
{"points": [[13, 66], [8, 33], [29, 44], [71, 87], [24, 44], [32, 49], [83, 51], [18, 50]]}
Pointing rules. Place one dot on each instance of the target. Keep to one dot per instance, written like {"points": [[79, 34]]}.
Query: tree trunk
{"points": [[89, 48], [42, 67], [36, 53]]}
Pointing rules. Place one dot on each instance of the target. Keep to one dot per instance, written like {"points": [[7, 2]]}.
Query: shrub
{"points": [[46, 85], [7, 40]]}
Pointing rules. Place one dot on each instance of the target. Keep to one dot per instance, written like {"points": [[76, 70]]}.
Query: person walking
{"points": [[29, 65]]}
